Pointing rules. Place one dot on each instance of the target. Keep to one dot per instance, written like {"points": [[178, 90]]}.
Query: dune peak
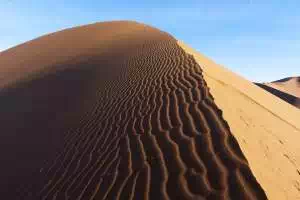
{"points": [[122, 110]]}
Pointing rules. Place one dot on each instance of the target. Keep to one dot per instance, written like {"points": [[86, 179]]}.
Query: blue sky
{"points": [[258, 39]]}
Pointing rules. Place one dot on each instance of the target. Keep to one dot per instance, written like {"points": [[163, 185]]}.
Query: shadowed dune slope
{"points": [[114, 111], [266, 128]]}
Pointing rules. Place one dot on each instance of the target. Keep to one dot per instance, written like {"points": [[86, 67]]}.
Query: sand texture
{"points": [[115, 111], [266, 128]]}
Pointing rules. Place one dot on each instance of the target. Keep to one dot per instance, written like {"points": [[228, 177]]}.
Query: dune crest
{"points": [[122, 113], [266, 128]]}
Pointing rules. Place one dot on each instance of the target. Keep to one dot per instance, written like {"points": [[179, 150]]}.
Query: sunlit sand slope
{"points": [[115, 111], [266, 128]]}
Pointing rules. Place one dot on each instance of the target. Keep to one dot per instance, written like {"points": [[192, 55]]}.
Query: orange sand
{"points": [[266, 128], [118, 110]]}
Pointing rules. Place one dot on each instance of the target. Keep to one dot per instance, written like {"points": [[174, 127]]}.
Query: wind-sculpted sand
{"points": [[118, 111], [266, 128]]}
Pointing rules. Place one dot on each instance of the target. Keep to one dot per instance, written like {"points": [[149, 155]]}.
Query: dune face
{"points": [[288, 89], [266, 128], [114, 110]]}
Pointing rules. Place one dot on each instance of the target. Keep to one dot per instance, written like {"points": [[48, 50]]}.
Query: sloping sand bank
{"points": [[266, 128], [116, 111]]}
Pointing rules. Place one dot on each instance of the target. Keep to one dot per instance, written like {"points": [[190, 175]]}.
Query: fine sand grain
{"points": [[266, 128], [119, 111]]}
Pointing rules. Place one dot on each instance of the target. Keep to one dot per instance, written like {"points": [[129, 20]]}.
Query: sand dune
{"points": [[119, 110], [290, 85], [291, 99], [266, 128], [288, 89]]}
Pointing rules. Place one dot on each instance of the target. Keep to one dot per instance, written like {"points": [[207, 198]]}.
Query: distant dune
{"points": [[121, 110], [288, 89], [290, 85]]}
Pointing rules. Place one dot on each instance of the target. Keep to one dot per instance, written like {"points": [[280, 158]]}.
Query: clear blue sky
{"points": [[258, 39]]}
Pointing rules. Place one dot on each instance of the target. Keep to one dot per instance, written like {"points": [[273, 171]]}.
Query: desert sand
{"points": [[288, 89], [290, 85], [121, 110], [266, 128]]}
